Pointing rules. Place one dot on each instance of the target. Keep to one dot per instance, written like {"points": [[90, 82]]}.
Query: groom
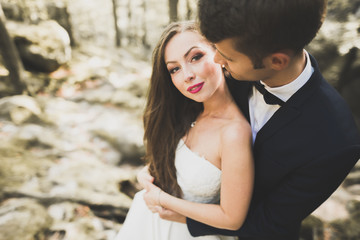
{"points": [[305, 141]]}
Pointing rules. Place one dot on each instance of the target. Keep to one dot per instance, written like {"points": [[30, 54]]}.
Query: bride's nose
{"points": [[189, 74]]}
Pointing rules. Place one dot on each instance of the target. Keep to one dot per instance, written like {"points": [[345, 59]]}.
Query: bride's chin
{"points": [[199, 100]]}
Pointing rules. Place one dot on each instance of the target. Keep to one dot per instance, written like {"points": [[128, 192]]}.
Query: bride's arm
{"points": [[236, 185]]}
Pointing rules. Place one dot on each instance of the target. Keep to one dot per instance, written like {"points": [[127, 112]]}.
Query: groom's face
{"points": [[237, 64]]}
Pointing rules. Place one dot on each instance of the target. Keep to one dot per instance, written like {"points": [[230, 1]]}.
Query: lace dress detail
{"points": [[199, 179], [200, 182]]}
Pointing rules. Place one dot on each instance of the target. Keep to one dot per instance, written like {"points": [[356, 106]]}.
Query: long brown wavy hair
{"points": [[168, 115]]}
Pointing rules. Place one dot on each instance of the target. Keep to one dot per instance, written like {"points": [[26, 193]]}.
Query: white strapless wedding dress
{"points": [[200, 182]]}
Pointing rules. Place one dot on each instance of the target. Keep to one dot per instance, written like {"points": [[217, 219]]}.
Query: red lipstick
{"points": [[195, 88]]}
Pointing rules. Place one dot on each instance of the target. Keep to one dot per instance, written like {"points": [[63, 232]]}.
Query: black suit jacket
{"points": [[302, 154]]}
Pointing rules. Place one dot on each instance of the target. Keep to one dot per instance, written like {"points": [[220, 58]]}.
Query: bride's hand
{"points": [[152, 197], [144, 177]]}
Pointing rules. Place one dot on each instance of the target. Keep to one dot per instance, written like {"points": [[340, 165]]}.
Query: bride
{"points": [[198, 144]]}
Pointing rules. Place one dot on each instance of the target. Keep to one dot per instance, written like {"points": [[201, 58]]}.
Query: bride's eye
{"points": [[173, 70], [197, 57]]}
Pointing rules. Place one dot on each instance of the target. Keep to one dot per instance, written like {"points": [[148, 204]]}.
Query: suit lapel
{"points": [[292, 108], [281, 118]]}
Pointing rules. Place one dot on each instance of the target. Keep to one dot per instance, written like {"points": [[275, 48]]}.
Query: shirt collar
{"points": [[286, 91]]}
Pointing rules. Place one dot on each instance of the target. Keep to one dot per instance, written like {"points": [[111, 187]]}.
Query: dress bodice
{"points": [[199, 179], [200, 182]]}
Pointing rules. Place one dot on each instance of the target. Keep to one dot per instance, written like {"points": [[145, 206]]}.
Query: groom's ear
{"points": [[279, 60]]}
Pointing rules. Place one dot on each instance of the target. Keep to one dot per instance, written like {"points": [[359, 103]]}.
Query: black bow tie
{"points": [[268, 97]]}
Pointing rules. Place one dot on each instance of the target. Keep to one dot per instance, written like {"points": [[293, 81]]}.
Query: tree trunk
{"points": [[144, 37], [117, 30], [130, 28], [189, 10], [10, 56], [173, 10]]}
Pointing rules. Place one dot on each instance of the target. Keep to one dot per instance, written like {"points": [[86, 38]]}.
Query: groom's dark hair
{"points": [[262, 27]]}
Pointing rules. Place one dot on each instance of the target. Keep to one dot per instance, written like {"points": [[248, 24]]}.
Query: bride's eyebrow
{"points": [[185, 55], [188, 52]]}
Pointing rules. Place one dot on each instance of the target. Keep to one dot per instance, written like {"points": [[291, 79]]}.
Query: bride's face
{"points": [[190, 61]]}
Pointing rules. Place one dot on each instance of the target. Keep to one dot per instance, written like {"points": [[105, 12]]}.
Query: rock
{"points": [[32, 135], [68, 182], [331, 52], [84, 228], [22, 219], [354, 189], [352, 179], [350, 87], [341, 10], [20, 115], [12, 11], [339, 58], [331, 210], [124, 132], [348, 228], [19, 165], [312, 228], [58, 11], [43, 47], [117, 133], [127, 100], [101, 94], [79, 222], [80, 190], [19, 108]]}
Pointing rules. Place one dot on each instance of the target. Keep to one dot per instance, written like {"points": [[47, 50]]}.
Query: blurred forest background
{"points": [[73, 82]]}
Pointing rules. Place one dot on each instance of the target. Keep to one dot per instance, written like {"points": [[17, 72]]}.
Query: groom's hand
{"points": [[169, 215]]}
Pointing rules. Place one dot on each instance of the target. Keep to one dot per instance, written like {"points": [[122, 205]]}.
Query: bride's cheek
{"points": [[211, 68], [203, 70]]}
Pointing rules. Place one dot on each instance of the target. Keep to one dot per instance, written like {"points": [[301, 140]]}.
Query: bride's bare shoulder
{"points": [[237, 130]]}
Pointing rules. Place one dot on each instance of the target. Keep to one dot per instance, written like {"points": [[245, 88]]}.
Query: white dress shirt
{"points": [[261, 112]]}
